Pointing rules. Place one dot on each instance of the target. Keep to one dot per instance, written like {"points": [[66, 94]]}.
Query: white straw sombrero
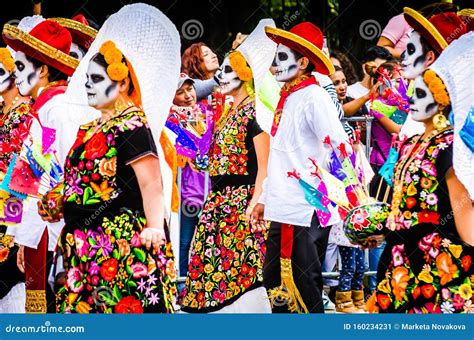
{"points": [[454, 67]]}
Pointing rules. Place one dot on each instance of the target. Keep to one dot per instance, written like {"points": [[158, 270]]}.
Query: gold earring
{"points": [[440, 122]]}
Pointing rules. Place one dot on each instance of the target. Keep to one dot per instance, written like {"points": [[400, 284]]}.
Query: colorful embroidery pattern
{"points": [[419, 203], [108, 270], [229, 154]]}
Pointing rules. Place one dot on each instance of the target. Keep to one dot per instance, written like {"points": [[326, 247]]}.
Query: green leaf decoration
{"points": [[112, 152], [116, 254], [140, 254], [87, 193], [117, 294]]}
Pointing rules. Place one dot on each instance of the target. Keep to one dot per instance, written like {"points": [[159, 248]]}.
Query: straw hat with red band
{"points": [[306, 39], [82, 33], [47, 42], [439, 30]]}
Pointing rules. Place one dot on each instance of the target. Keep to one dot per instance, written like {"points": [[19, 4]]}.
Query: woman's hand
{"points": [[254, 216], [45, 216], [153, 238], [20, 258]]}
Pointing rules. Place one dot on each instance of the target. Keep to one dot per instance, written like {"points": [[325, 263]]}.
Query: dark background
{"points": [[220, 20]]}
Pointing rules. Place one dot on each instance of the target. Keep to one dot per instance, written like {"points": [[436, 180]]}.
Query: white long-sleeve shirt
{"points": [[308, 116], [65, 119]]}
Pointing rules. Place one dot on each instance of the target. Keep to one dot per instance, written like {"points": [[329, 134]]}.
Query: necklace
{"points": [[400, 174], [6, 113], [225, 116]]}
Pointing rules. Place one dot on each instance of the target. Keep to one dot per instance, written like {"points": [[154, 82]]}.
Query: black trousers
{"points": [[309, 249]]}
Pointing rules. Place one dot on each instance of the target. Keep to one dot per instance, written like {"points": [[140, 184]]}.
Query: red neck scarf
{"points": [[298, 84], [52, 89]]}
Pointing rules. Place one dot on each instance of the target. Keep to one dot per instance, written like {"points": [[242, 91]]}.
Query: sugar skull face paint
{"points": [[101, 90], [228, 79], [77, 52], [26, 75], [285, 63], [414, 59], [422, 103]]}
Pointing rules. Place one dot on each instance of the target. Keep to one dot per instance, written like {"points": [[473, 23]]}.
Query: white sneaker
{"points": [[328, 304]]}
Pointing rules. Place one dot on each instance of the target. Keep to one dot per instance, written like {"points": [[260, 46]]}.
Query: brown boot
{"points": [[358, 299], [344, 303]]}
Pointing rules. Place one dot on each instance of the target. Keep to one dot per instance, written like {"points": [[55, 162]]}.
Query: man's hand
{"points": [[20, 258], [47, 217], [254, 216]]}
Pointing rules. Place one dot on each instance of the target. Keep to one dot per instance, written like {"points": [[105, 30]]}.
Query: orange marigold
{"points": [[239, 65], [106, 46], [117, 71], [112, 56]]}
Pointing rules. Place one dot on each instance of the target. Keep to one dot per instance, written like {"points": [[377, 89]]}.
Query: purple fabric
{"points": [[381, 142], [192, 187]]}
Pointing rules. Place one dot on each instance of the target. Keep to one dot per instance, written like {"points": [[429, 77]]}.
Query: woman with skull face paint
{"points": [[110, 173], [15, 122], [426, 266], [226, 259]]}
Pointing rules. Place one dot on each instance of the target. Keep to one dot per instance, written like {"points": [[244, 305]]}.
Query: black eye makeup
{"points": [[282, 56], [410, 48], [96, 78], [228, 69], [420, 93], [19, 66]]}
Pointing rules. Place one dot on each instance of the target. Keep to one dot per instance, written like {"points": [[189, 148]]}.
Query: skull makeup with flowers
{"points": [[415, 56], [430, 96], [285, 63], [26, 74], [77, 51], [228, 79]]}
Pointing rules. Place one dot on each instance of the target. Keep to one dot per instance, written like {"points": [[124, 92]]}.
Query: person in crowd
{"points": [[115, 235], [304, 117], [201, 64], [342, 60], [227, 255], [15, 123], [395, 35], [41, 72], [426, 265]]}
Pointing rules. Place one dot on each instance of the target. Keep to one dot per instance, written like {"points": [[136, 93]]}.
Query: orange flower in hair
{"points": [[437, 88], [113, 55], [239, 65], [106, 46], [117, 71], [7, 60]]}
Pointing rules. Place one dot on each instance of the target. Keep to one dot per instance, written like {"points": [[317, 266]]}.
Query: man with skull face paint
{"points": [[15, 123], [42, 64], [305, 115], [430, 36], [426, 266]]}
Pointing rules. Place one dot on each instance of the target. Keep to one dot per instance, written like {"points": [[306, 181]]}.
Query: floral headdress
{"points": [[240, 66], [7, 60], [437, 87], [116, 69]]}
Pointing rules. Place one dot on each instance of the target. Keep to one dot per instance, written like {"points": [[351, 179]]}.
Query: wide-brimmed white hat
{"points": [[150, 42], [454, 67], [259, 51]]}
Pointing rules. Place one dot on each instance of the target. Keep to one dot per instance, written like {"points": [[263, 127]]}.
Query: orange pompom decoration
{"points": [[6, 60], [117, 71], [112, 56], [437, 88], [239, 65], [106, 46]]}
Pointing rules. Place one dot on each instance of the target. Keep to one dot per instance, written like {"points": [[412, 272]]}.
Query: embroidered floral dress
{"points": [[226, 258], [14, 128], [425, 267], [107, 268]]}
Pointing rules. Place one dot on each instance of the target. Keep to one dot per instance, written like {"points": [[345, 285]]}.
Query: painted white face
{"points": [[101, 90], [422, 103], [77, 52], [26, 75], [285, 63], [228, 79], [5, 79], [414, 60]]}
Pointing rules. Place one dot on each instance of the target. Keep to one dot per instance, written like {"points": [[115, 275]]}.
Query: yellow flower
{"points": [[198, 246], [108, 167], [117, 71], [425, 276], [384, 286], [407, 214], [233, 272], [216, 277], [465, 291], [106, 46], [71, 298], [456, 250], [112, 56], [429, 75], [198, 285], [208, 286], [208, 268], [83, 307]]}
